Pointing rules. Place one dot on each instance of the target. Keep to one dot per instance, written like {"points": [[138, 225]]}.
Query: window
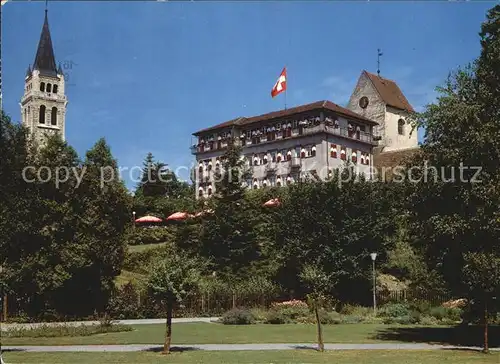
{"points": [[53, 116], [333, 151], [342, 153], [272, 180], [354, 156], [401, 127], [264, 158], [41, 115], [200, 192], [273, 156], [54, 89], [49, 87], [303, 153], [210, 190], [42, 86], [313, 151]]}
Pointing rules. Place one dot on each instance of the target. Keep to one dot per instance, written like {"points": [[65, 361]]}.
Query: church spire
{"points": [[45, 61]]}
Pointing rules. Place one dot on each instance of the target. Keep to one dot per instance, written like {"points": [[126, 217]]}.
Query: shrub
{"points": [[448, 315], [276, 317], [291, 303], [428, 320], [395, 310], [238, 316], [402, 320], [64, 330]]}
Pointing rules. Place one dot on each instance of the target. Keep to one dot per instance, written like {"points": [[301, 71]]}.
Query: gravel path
{"points": [[6, 327], [232, 347]]}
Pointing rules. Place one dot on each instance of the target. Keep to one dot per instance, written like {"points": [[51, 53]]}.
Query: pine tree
{"points": [[228, 236]]}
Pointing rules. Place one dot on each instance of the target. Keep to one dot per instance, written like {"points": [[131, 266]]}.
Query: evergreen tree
{"points": [[228, 235], [107, 214]]}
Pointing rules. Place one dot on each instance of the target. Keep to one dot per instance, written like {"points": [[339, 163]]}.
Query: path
{"points": [[233, 347], [6, 327]]}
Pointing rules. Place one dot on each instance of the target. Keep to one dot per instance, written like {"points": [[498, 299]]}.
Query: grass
{"points": [[211, 333], [127, 276], [140, 248], [247, 357]]}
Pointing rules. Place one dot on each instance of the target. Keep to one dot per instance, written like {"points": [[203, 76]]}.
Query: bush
{"points": [[238, 316], [64, 330], [124, 303], [395, 310], [276, 317], [402, 320], [449, 315], [428, 321]]}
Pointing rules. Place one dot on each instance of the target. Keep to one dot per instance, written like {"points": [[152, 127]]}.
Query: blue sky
{"points": [[147, 75]]}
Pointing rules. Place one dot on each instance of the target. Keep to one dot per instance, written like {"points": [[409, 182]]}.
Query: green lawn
{"points": [[212, 333], [247, 357], [141, 248]]}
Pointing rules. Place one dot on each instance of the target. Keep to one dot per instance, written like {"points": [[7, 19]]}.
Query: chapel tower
{"points": [[43, 105]]}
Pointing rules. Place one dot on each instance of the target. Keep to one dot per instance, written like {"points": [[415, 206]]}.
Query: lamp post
{"points": [[374, 256], [133, 218]]}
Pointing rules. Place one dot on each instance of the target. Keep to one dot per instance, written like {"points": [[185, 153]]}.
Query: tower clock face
{"points": [[363, 102]]}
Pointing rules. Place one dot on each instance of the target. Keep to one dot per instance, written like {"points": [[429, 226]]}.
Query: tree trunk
{"points": [[168, 334], [485, 347], [234, 300], [321, 346]]}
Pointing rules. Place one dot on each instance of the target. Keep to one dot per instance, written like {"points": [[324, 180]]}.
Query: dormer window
{"points": [[401, 127]]}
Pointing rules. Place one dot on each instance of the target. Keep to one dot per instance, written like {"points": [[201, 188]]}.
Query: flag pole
{"points": [[286, 86]]}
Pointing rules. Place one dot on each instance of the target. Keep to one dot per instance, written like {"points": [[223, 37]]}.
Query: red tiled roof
{"points": [[318, 105], [390, 92]]}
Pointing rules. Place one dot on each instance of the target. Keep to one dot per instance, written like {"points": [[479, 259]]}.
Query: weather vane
{"points": [[379, 53]]}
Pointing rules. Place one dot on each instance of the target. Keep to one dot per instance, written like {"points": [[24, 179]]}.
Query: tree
{"points": [[228, 236], [319, 285], [482, 277], [106, 218], [454, 207], [337, 225], [172, 281]]}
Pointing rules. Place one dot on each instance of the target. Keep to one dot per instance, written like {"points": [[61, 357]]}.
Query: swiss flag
{"points": [[280, 85]]}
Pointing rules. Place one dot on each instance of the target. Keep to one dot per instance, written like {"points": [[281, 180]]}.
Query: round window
{"points": [[363, 102]]}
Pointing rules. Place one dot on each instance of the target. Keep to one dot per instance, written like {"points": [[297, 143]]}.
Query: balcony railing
{"points": [[294, 133], [353, 134]]}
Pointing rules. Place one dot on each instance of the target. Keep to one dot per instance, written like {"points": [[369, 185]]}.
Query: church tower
{"points": [[382, 100], [43, 105]]}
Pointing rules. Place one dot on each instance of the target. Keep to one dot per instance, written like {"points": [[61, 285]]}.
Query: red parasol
{"points": [[179, 216], [204, 212], [272, 203], [148, 219]]}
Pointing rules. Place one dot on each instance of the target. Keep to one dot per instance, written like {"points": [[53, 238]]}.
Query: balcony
{"points": [[271, 168], [356, 135], [295, 163]]}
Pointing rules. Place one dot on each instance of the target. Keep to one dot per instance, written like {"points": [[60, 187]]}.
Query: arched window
{"points": [[49, 87], [53, 116], [41, 115], [42, 86], [54, 89], [401, 127]]}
